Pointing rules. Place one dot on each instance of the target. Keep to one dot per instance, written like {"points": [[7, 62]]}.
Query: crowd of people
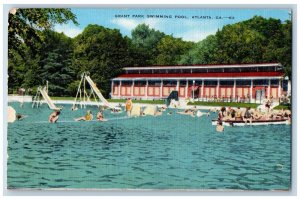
{"points": [[225, 114], [249, 115]]}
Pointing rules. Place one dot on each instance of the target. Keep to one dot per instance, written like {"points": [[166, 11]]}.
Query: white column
{"points": [[120, 85], [202, 90], [279, 88], [193, 89], [146, 88], [234, 89], [269, 89], [161, 86], [177, 86], [186, 88], [251, 88], [218, 86], [132, 88]]}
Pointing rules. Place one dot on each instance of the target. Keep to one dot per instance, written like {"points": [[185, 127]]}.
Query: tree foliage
{"points": [[145, 41], [103, 52], [26, 25], [257, 40], [171, 49], [37, 54]]}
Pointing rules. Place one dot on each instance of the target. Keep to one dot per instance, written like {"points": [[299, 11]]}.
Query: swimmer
{"points": [[100, 116], [188, 112], [74, 108], [87, 117], [20, 117], [220, 127], [54, 116]]}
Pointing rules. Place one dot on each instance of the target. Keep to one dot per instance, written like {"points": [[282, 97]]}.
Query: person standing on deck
{"points": [[221, 114], [238, 114], [128, 106]]}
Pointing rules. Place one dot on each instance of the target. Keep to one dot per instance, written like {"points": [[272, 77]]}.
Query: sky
{"points": [[188, 24]]}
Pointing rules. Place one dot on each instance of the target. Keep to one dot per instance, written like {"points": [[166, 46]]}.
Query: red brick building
{"points": [[244, 82]]}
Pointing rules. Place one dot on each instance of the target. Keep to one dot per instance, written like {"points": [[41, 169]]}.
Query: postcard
{"points": [[149, 99]]}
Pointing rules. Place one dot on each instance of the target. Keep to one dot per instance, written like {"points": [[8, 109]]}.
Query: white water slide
{"points": [[98, 93], [45, 95]]}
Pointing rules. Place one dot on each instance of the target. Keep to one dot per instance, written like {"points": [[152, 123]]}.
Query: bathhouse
{"points": [[232, 82]]}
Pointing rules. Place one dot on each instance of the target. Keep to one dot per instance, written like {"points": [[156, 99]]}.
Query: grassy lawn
{"points": [[138, 101], [279, 107], [232, 104], [63, 98], [115, 100]]}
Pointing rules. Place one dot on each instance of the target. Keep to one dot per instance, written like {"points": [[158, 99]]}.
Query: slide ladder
{"points": [[45, 95], [97, 91]]}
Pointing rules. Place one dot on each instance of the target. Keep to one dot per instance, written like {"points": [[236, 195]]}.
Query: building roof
{"points": [[203, 75], [210, 66]]}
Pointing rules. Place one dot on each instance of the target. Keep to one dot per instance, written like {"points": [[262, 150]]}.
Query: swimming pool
{"points": [[165, 152]]}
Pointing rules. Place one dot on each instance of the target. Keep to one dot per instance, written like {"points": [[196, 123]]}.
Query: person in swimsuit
{"points": [[221, 113], [238, 114], [100, 116], [220, 127], [87, 117], [54, 116], [128, 106], [248, 116]]}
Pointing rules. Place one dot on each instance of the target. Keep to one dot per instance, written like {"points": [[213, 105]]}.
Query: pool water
{"points": [[165, 152]]}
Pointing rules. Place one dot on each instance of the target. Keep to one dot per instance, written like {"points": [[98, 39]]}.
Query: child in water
{"points": [[87, 117], [54, 116], [100, 116]]}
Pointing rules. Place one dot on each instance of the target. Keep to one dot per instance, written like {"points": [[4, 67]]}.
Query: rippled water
{"points": [[165, 152]]}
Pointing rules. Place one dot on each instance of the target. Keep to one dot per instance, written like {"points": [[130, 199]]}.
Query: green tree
{"points": [[56, 63], [26, 25], [145, 41], [171, 49], [204, 52], [26, 39], [103, 52]]}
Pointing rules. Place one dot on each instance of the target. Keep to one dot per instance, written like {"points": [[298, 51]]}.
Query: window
{"points": [[132, 71], [199, 70], [260, 82], [210, 83], [226, 82], [126, 83], [274, 82], [215, 70], [186, 71], [231, 70], [248, 69], [266, 69], [243, 82], [170, 83], [182, 83], [146, 71], [197, 82], [116, 83], [174, 71], [139, 83], [154, 83]]}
